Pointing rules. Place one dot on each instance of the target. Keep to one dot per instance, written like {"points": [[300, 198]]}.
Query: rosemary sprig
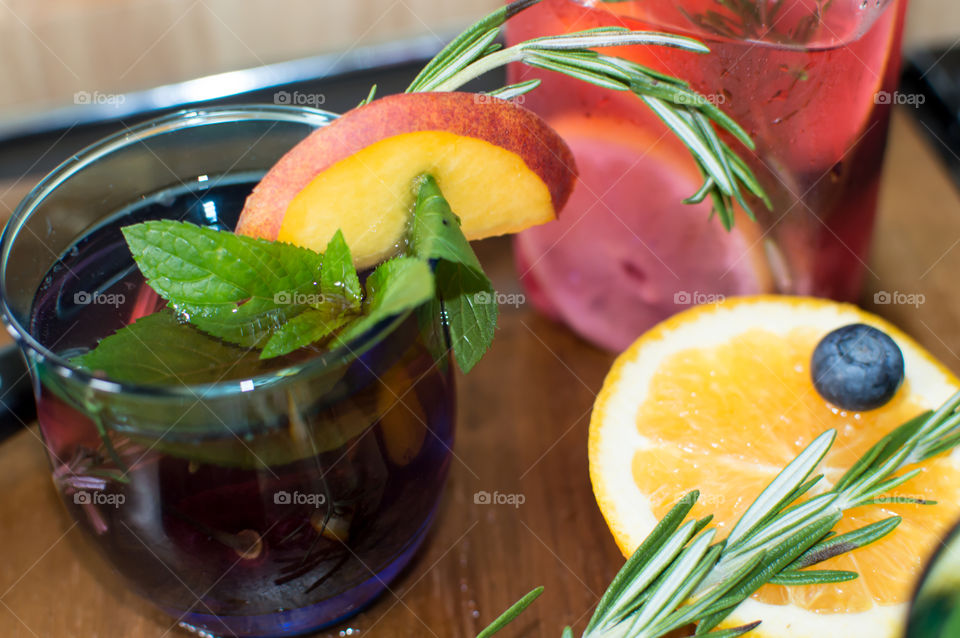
{"points": [[688, 114], [680, 576], [508, 616]]}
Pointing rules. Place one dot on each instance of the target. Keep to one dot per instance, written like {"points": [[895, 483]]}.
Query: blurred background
{"points": [[56, 52], [53, 49]]}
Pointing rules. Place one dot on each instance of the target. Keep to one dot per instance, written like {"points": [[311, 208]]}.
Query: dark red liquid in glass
{"points": [[274, 543]]}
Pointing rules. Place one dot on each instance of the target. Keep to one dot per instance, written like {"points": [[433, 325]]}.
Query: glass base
{"points": [[296, 622]]}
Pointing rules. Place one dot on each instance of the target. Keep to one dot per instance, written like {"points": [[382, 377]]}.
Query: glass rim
{"points": [[172, 122]]}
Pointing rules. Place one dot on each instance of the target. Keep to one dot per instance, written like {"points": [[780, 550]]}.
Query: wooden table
{"points": [[523, 425]]}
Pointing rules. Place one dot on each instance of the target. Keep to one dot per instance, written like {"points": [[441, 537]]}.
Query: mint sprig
{"points": [[241, 295], [236, 288]]}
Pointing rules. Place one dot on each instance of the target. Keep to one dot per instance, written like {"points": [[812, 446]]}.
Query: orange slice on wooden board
{"points": [[719, 398]]}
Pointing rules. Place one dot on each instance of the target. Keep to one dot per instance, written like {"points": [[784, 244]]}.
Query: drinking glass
{"points": [[262, 502], [812, 82]]}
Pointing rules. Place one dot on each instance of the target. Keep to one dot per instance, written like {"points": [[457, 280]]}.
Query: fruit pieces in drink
{"points": [[819, 121], [501, 168], [649, 266]]}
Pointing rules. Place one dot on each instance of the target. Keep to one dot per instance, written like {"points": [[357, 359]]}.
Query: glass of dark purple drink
{"points": [[266, 498]]}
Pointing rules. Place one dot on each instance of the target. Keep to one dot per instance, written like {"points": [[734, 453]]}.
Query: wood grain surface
{"points": [[523, 422]]}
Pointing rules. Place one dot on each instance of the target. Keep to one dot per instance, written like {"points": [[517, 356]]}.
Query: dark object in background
{"points": [[333, 82], [17, 407], [935, 75], [935, 612]]}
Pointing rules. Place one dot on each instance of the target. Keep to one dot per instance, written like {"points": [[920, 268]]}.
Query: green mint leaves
{"points": [[308, 327], [467, 294], [229, 296], [396, 286], [236, 288], [338, 278], [159, 349]]}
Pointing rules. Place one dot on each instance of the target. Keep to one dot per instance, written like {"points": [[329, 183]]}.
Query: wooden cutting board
{"points": [[523, 425]]}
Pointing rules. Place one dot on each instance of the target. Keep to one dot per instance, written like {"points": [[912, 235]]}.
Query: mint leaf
{"points": [[433, 331], [160, 349], [342, 300], [394, 287], [196, 265], [236, 288], [470, 306], [339, 277], [468, 297], [436, 232], [308, 327]]}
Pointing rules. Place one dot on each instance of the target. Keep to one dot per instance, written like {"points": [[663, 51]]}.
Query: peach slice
{"points": [[500, 166]]}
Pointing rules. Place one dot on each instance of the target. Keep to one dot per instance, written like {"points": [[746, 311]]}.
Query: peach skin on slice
{"points": [[499, 165]]}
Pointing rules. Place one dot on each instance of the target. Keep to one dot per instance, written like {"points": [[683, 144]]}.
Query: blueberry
{"points": [[857, 367]]}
